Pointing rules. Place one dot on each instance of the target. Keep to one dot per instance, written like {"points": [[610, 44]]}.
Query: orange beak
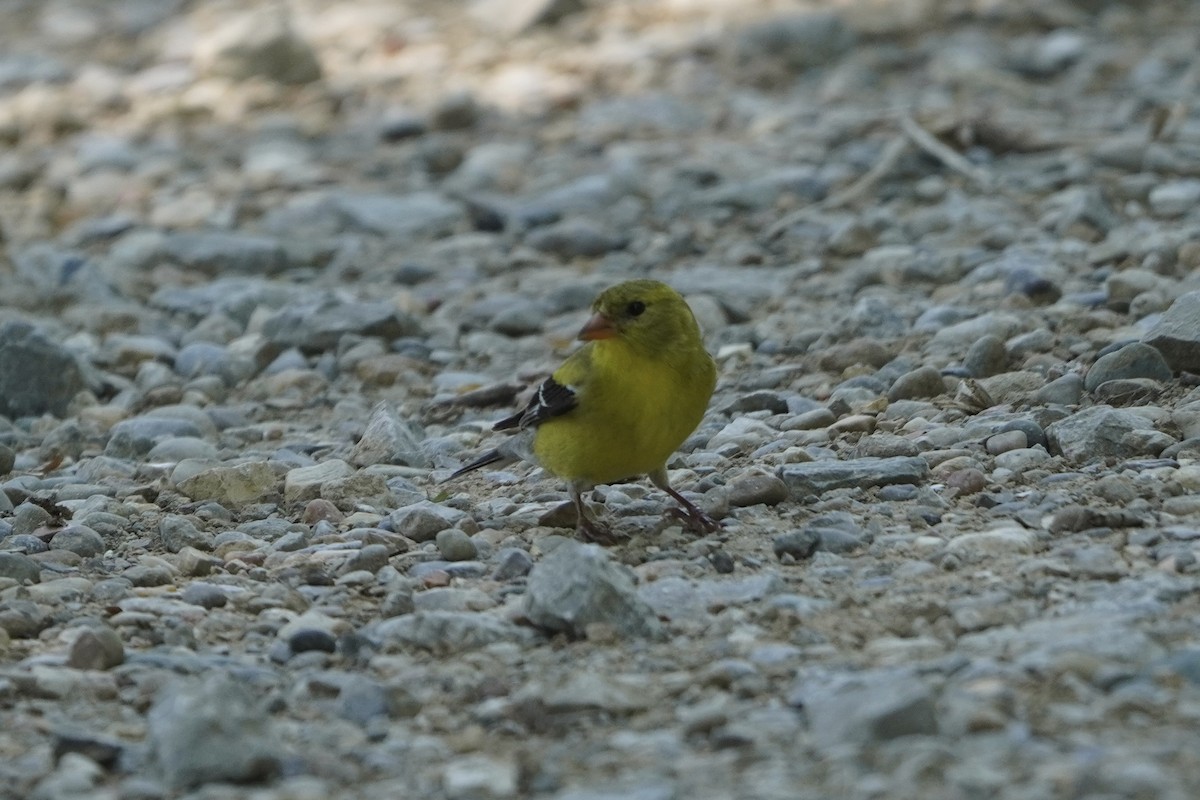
{"points": [[598, 327]]}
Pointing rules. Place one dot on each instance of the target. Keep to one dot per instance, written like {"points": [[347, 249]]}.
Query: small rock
{"points": [[574, 238], [388, 439], [307, 639], [1134, 360], [987, 544], [756, 488], [1006, 441], [79, 539], [818, 477], [20, 568], [1177, 334], [37, 376], [259, 44], [304, 483], [986, 357], [480, 777], [512, 562], [211, 730], [232, 486], [97, 647], [1175, 198], [797, 544], [921, 382], [866, 707], [1094, 433], [454, 545], [422, 521], [577, 585], [1066, 390], [177, 532]]}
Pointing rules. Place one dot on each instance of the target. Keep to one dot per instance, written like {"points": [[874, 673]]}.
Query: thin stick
{"points": [[887, 161], [951, 158]]}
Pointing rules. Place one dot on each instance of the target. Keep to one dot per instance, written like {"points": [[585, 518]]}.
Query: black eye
{"points": [[636, 308]]}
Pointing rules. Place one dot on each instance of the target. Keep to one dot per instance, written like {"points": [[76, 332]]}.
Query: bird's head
{"points": [[644, 313]]}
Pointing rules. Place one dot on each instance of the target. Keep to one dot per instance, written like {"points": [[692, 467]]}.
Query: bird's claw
{"points": [[597, 533], [694, 519]]}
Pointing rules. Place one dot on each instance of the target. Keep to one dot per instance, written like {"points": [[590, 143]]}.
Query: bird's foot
{"points": [[694, 519], [589, 530]]}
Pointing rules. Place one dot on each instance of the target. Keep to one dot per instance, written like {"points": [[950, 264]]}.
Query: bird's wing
{"points": [[552, 399]]}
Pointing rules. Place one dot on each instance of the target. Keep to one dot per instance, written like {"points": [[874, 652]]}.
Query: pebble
{"points": [[37, 375], [1135, 360], [454, 545], [1175, 335], [818, 477], [753, 488], [211, 729], [576, 585], [1097, 432]]}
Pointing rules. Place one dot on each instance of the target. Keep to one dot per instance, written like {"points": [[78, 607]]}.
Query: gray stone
{"points": [[221, 252], [1095, 433], [799, 40], [987, 356], [21, 619], [454, 545], [447, 631], [398, 216], [177, 532], [79, 539], [1175, 198], [136, 437], [756, 488], [867, 707], [1177, 334], [28, 517], [575, 238], [422, 521], [259, 43], [304, 483], [205, 595], [201, 358], [885, 445], [19, 567], [982, 545], [389, 439], [1134, 360], [512, 562], [1066, 390], [371, 558], [180, 448], [211, 730], [232, 486], [921, 382], [37, 376], [818, 477], [797, 544], [577, 585], [519, 16], [319, 326], [96, 647]]}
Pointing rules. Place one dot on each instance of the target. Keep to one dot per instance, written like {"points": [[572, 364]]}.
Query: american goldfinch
{"points": [[620, 405]]}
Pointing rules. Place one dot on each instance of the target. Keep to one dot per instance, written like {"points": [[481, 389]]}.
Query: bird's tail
{"points": [[487, 459]]}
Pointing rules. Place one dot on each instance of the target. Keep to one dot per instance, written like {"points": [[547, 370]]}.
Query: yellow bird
{"points": [[620, 405]]}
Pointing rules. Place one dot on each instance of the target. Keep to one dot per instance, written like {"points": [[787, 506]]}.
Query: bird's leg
{"points": [[691, 516], [587, 528]]}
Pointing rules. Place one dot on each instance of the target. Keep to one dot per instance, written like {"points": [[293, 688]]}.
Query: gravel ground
{"points": [[270, 272]]}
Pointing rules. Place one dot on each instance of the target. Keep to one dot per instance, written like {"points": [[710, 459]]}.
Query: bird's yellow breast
{"points": [[633, 412]]}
